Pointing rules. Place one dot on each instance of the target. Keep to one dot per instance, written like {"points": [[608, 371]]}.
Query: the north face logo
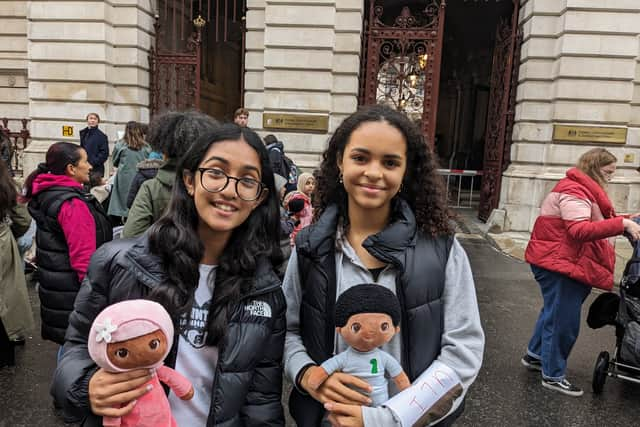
{"points": [[258, 308]]}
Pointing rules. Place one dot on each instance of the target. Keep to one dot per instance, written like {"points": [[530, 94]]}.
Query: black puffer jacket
{"points": [[248, 383]]}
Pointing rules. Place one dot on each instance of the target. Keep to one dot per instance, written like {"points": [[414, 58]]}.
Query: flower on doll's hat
{"points": [[103, 331]]}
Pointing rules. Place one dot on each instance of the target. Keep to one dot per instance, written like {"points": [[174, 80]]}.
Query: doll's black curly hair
{"points": [[422, 187]]}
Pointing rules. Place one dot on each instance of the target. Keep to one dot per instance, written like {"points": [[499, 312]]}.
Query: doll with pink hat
{"points": [[138, 334]]}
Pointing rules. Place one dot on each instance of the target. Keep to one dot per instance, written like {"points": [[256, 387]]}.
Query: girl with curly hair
{"points": [[380, 217]]}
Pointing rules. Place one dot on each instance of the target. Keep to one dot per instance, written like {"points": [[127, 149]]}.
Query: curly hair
{"points": [[422, 188], [173, 133]]}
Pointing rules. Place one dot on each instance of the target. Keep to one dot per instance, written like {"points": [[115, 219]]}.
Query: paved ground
{"points": [[505, 394]]}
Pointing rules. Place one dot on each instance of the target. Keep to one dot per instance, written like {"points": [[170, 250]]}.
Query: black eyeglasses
{"points": [[215, 180]]}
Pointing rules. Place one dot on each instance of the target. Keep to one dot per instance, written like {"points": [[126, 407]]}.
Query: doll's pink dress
{"points": [[152, 408]]}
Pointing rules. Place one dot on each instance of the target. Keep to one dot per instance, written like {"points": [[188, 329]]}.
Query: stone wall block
{"points": [[71, 52], [254, 80], [254, 40], [604, 4], [254, 101], [304, 37], [599, 44], [534, 90], [633, 137], [14, 43], [590, 67], [69, 10], [304, 102], [296, 79], [538, 69], [534, 111], [345, 104], [601, 22], [307, 59], [538, 132], [300, 15], [346, 63], [538, 48], [87, 31], [13, 8], [254, 61], [255, 20], [345, 84], [525, 152], [70, 91], [348, 43], [348, 22], [589, 111], [597, 90], [67, 71]]}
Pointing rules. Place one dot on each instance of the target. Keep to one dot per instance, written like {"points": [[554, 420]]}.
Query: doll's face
{"points": [[366, 331], [145, 350]]}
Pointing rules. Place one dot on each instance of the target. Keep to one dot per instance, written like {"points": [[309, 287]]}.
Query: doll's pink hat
{"points": [[123, 321]]}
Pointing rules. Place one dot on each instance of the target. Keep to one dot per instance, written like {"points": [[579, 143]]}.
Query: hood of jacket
{"points": [[167, 173], [44, 181], [149, 164]]}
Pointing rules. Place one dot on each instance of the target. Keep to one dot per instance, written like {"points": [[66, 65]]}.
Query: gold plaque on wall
{"points": [[305, 122], [605, 134]]}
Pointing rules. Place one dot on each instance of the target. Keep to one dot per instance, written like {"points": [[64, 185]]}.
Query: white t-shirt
{"points": [[195, 360]]}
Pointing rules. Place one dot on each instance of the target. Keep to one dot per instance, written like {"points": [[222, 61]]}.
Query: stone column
{"points": [[302, 57], [579, 66], [86, 57], [14, 101]]}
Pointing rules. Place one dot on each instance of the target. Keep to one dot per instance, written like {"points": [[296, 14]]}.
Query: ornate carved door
{"points": [[175, 59], [501, 111], [402, 67]]}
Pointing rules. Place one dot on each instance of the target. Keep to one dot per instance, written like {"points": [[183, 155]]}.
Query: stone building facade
{"points": [[579, 66]]}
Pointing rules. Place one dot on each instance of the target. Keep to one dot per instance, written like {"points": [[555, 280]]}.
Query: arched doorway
{"points": [[198, 58], [403, 47], [451, 66]]}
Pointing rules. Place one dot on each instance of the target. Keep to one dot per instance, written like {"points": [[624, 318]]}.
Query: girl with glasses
{"points": [[209, 261]]}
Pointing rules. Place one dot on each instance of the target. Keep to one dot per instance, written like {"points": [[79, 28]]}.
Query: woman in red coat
{"points": [[571, 250]]}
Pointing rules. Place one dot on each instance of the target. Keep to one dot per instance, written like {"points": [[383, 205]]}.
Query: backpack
{"points": [[292, 170], [285, 166]]}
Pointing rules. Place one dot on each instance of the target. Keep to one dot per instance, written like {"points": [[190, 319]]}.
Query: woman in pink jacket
{"points": [[571, 250], [71, 225]]}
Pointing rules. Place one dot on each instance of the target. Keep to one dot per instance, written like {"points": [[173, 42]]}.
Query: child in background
{"points": [[299, 203]]}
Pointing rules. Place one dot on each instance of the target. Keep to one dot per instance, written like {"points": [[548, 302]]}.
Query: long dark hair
{"points": [[422, 188], [58, 156], [8, 192], [175, 240]]}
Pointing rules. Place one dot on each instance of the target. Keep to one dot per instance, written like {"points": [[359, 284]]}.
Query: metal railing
{"points": [[463, 195], [18, 141]]}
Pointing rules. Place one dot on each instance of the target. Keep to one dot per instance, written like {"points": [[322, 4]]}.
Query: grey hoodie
{"points": [[462, 337]]}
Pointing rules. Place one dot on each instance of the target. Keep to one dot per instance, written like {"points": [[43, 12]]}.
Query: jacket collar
{"points": [[147, 268], [388, 245], [596, 192]]}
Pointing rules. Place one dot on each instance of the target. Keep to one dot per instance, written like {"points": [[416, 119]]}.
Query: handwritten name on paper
{"points": [[429, 398]]}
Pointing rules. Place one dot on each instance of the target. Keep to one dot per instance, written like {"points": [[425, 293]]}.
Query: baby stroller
{"points": [[623, 312]]}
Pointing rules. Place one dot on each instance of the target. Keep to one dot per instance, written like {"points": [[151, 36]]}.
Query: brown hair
{"points": [[241, 112], [592, 161], [133, 135], [93, 114]]}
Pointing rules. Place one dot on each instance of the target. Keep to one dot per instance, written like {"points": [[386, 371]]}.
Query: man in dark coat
{"points": [[95, 143]]}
